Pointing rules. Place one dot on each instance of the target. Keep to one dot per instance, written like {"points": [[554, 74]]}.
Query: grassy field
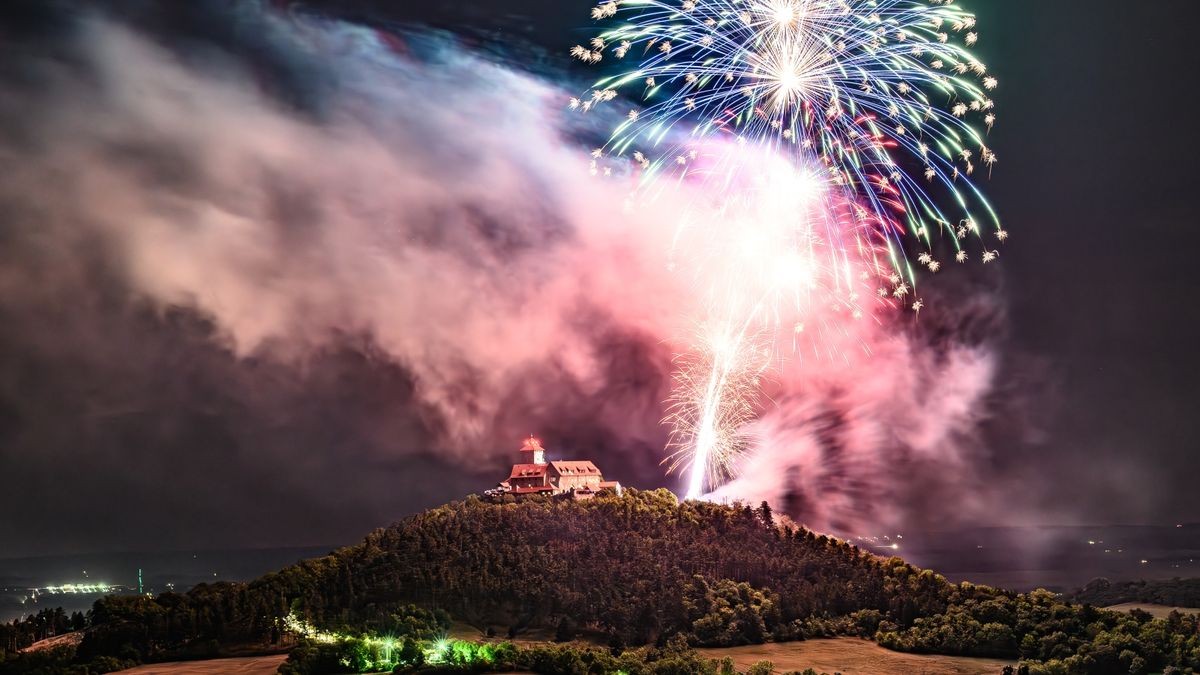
{"points": [[1159, 611], [851, 656], [846, 656], [67, 639], [246, 665]]}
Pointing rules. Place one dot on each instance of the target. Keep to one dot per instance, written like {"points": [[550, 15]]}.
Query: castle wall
{"points": [[568, 482]]}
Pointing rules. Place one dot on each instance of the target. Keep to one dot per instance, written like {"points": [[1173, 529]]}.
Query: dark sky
{"points": [[1096, 177], [127, 425]]}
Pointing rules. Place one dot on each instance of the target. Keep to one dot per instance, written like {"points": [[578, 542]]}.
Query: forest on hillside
{"points": [[638, 569], [1170, 592]]}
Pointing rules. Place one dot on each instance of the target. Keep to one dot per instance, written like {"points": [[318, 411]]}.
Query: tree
{"points": [[565, 631], [761, 668], [765, 514], [410, 653]]}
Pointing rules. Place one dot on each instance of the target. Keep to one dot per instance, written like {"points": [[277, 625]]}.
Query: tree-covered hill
{"points": [[637, 569], [1170, 592]]}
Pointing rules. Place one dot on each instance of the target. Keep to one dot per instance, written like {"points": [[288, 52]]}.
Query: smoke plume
{"points": [[281, 263]]}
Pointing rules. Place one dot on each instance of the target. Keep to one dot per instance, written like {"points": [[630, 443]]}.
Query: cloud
{"points": [[290, 266], [865, 441]]}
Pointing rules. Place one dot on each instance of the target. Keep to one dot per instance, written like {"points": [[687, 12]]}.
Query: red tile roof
{"points": [[578, 468], [532, 444], [527, 471]]}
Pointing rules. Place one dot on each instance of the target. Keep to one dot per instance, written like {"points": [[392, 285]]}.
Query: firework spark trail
{"points": [[707, 430], [767, 251], [845, 92], [707, 419]]}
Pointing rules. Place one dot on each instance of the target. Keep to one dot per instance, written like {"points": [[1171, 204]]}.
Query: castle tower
{"points": [[537, 454]]}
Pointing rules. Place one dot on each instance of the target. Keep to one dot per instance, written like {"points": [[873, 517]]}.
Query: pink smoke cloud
{"points": [[444, 209]]}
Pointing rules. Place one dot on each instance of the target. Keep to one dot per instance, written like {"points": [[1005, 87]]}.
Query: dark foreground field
{"points": [[846, 656], [249, 665], [851, 656]]}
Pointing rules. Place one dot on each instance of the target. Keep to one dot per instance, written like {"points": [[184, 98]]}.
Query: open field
{"points": [[848, 656], [851, 656], [71, 639], [1159, 611], [246, 665], [843, 655]]}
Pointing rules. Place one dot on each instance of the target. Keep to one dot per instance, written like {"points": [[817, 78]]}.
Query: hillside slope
{"points": [[636, 569]]}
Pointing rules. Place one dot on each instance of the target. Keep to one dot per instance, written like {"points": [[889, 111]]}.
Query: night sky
{"points": [[133, 422]]}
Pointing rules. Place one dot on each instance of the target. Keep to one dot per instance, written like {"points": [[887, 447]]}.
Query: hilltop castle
{"points": [[579, 479]]}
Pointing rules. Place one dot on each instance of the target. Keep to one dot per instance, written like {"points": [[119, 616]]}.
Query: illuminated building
{"points": [[580, 479]]}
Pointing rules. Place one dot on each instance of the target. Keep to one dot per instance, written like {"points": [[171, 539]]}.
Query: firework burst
{"points": [[828, 136]]}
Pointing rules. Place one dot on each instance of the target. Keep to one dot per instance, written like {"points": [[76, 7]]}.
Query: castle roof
{"points": [[527, 471], [532, 444], [575, 468]]}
